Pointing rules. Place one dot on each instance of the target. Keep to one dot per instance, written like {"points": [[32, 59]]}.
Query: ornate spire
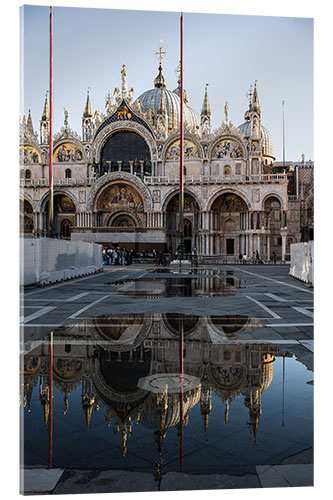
{"points": [[87, 110], [87, 405], [46, 110], [30, 127], [206, 408], [206, 106], [255, 105]]}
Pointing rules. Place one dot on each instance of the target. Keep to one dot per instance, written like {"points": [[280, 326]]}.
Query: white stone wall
{"points": [[47, 260], [301, 261]]}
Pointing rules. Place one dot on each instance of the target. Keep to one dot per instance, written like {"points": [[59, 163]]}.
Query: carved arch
{"points": [[105, 134]]}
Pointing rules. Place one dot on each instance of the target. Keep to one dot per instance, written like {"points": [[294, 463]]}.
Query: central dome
{"points": [[151, 100]]}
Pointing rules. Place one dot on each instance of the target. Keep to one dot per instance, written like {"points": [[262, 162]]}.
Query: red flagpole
{"points": [[51, 129], [181, 162]]}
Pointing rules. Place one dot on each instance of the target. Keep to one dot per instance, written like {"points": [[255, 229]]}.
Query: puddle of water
{"points": [[119, 392], [180, 286]]}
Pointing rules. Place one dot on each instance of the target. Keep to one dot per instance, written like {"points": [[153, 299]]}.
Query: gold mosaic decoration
{"points": [[68, 152], [30, 155], [191, 150], [227, 149], [120, 196]]}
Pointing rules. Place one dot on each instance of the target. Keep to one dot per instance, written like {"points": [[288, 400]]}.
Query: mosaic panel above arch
{"points": [[30, 155], [227, 148], [190, 204], [229, 202], [119, 196], [191, 150], [68, 152]]}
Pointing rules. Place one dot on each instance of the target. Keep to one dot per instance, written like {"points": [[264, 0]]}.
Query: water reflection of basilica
{"points": [[109, 355]]}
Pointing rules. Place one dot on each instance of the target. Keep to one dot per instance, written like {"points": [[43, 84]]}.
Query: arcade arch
{"points": [[191, 222], [64, 213]]}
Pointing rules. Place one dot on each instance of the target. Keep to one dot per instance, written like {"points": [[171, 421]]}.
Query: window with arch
{"points": [[28, 174], [68, 173]]}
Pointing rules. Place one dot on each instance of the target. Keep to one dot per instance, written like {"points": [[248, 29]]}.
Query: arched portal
{"points": [[191, 222], [228, 214], [122, 220], [26, 217], [274, 217], [120, 204], [126, 151], [63, 215]]}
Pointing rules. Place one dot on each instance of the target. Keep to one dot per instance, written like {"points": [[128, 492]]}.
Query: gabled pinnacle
{"points": [[87, 110], [255, 105], [30, 127], [206, 106], [46, 110]]}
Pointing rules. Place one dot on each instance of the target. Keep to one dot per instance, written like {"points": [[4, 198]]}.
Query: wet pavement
{"points": [[210, 385]]}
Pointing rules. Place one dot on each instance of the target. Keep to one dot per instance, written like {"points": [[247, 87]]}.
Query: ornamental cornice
{"points": [[113, 127], [119, 176]]}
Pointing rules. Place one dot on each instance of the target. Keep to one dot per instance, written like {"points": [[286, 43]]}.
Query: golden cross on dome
{"points": [[160, 53]]}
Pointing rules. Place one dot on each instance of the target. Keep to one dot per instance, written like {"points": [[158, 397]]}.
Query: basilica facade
{"points": [[118, 182]]}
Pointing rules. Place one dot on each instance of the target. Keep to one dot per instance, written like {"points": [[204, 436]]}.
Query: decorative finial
{"points": [[160, 53], [108, 101], [123, 81], [65, 117], [226, 113], [249, 94]]}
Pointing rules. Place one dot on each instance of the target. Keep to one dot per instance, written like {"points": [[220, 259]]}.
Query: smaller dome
{"points": [[266, 137], [177, 91]]}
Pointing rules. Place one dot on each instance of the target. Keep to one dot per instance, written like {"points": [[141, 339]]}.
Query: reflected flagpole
{"points": [[50, 222], [181, 395], [51, 400], [181, 159]]}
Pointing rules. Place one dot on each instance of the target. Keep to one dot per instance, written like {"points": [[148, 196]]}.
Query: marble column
{"points": [[283, 235], [250, 245]]}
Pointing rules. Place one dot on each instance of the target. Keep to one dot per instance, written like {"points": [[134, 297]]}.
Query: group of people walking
{"points": [[117, 256], [255, 259]]}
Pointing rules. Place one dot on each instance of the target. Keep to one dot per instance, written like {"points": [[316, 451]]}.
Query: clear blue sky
{"points": [[227, 51]]}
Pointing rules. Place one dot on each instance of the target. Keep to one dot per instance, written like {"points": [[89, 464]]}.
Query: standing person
{"points": [[244, 258], [274, 257], [240, 257], [160, 258], [109, 255], [104, 255], [154, 256], [131, 255], [257, 257]]}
